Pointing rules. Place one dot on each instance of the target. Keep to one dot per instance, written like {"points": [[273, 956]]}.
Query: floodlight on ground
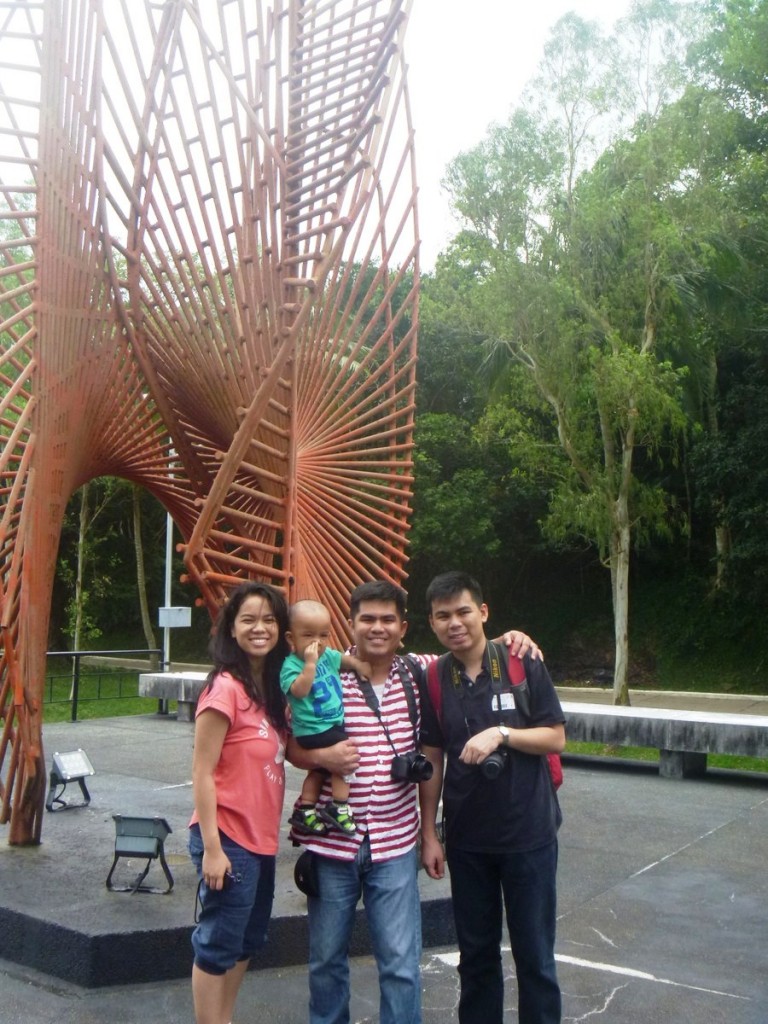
{"points": [[142, 838], [70, 766]]}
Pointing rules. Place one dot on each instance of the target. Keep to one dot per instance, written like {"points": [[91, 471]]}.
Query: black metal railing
{"points": [[74, 677]]}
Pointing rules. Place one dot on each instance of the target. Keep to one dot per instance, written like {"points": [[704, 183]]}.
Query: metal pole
{"points": [[75, 687], [162, 705], [168, 560]]}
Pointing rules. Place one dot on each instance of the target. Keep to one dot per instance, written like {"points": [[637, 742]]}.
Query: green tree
{"points": [[86, 587], [724, 122], [141, 575], [107, 578], [580, 296]]}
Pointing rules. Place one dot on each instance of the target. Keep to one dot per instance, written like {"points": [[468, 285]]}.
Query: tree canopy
{"points": [[610, 267], [593, 356]]}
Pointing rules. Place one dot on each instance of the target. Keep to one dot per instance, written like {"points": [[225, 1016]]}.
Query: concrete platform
{"points": [[56, 914], [663, 899]]}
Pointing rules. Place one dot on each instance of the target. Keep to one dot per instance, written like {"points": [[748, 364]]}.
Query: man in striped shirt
{"points": [[379, 860]]}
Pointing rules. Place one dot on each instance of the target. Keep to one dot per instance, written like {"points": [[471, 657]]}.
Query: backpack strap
{"points": [[515, 669], [405, 671], [436, 671], [408, 678], [434, 689], [516, 672]]}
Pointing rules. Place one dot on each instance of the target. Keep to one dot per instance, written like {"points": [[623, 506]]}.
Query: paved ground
{"points": [[663, 899]]}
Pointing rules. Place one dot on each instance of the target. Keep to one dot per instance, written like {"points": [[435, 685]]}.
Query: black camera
{"points": [[493, 765], [411, 767]]}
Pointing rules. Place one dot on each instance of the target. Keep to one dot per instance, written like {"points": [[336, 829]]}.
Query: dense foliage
{"points": [[600, 327], [592, 428]]}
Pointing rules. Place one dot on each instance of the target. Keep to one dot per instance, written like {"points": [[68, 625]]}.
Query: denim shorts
{"points": [[233, 921]]}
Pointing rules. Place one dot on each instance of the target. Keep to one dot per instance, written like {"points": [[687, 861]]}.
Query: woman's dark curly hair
{"points": [[228, 656]]}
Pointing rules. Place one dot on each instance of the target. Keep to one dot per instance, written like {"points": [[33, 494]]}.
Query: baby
{"points": [[310, 678]]}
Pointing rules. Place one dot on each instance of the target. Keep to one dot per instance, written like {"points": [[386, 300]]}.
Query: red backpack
{"points": [[520, 691]]}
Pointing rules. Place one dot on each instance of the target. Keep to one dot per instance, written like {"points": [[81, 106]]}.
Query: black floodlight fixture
{"points": [[140, 837], [70, 766]]}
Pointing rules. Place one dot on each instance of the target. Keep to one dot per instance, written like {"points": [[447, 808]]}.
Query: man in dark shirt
{"points": [[500, 827]]}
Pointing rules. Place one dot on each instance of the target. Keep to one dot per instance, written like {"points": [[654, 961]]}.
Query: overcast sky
{"points": [[469, 61]]}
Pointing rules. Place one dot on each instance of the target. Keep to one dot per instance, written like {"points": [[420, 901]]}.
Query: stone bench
{"points": [[683, 738], [183, 687]]}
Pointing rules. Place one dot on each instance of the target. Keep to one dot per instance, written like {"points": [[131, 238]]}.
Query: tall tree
{"points": [[580, 296], [726, 128], [141, 576]]}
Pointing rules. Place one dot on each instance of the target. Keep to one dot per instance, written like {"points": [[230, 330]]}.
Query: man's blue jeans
{"points": [[527, 881], [391, 898]]}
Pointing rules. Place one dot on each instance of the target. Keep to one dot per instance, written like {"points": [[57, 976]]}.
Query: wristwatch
{"points": [[504, 735]]}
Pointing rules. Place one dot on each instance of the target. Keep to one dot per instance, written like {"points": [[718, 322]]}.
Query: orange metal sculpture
{"points": [[208, 284]]}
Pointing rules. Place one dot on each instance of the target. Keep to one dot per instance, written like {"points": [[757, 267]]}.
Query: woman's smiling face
{"points": [[255, 628]]}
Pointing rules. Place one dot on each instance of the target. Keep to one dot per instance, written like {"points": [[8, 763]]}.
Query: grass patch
{"points": [[105, 708], [102, 694], [732, 761], [612, 750]]}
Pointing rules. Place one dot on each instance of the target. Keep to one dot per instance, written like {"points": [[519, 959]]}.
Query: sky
{"points": [[468, 63]]}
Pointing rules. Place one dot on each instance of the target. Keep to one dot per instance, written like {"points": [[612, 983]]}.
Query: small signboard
{"points": [[171, 617]]}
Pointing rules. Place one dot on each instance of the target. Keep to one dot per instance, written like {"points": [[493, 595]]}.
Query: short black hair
{"points": [[378, 590], [449, 584]]}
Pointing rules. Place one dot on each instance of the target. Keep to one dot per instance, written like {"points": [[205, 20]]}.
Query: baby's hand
{"points": [[351, 663], [312, 652]]}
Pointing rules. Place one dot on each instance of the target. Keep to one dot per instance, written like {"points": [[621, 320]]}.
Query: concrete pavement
{"points": [[663, 899]]}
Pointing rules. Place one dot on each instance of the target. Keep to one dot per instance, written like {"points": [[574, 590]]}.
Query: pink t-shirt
{"points": [[250, 775]]}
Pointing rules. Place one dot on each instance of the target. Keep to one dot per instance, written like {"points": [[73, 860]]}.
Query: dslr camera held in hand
{"points": [[411, 767], [493, 765]]}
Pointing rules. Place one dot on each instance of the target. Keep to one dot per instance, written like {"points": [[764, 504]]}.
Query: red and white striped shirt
{"points": [[385, 810]]}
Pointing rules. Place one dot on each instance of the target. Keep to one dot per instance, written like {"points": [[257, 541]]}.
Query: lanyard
{"points": [[497, 677], [498, 685], [369, 696]]}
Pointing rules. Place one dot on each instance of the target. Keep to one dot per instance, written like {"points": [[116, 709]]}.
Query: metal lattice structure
{"points": [[208, 283]]}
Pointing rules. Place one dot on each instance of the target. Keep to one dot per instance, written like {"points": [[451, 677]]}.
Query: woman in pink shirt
{"points": [[238, 777]]}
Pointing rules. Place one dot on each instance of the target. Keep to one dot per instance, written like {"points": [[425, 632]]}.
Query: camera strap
{"points": [[515, 675], [370, 698], [499, 680]]}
